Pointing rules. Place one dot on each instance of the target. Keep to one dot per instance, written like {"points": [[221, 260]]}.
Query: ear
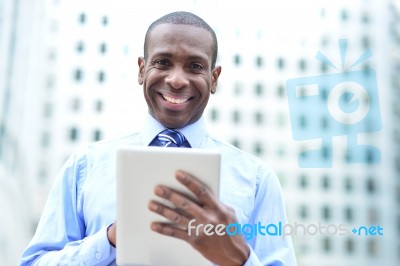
{"points": [[214, 79], [141, 64]]}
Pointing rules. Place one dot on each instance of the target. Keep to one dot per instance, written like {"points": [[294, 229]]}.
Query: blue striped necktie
{"points": [[170, 138]]}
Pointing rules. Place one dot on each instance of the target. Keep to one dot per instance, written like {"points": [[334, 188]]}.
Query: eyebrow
{"points": [[190, 58]]}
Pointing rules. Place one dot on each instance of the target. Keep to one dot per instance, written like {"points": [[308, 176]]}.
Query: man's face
{"points": [[177, 77]]}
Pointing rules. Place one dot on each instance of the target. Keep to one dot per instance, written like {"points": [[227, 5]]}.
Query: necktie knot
{"points": [[170, 138]]}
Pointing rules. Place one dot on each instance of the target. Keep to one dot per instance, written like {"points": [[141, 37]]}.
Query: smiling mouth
{"points": [[175, 100]]}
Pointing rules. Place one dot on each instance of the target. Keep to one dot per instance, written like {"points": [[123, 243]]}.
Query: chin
{"points": [[174, 125]]}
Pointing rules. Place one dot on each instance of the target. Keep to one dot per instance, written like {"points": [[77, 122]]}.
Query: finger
{"points": [[182, 202], [169, 230], [175, 216], [201, 190]]}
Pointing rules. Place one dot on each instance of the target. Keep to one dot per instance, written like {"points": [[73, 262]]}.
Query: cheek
{"points": [[152, 80]]}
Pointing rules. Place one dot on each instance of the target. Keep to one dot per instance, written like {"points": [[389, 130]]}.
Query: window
{"points": [[82, 18], [324, 123], [50, 81], [303, 153], [348, 184], [258, 117], [398, 224], [370, 156], [99, 106], [238, 88], [78, 75], [349, 244], [259, 61], [280, 119], [324, 93], [51, 54], [371, 185], [2, 129], [366, 70], [280, 63], [322, 12], [97, 135], [281, 91], [42, 175], [258, 148], [344, 15], [101, 76], [236, 117], [397, 191], [326, 213], [348, 213], [326, 152], [326, 182], [48, 110], [103, 48], [373, 216], [280, 151], [73, 134], [324, 41], [259, 89], [76, 104], [236, 143], [323, 67], [303, 181], [303, 211], [302, 121], [365, 18], [104, 21], [372, 247], [366, 42], [237, 60], [45, 139], [347, 156], [80, 47], [214, 115], [327, 244], [302, 65]]}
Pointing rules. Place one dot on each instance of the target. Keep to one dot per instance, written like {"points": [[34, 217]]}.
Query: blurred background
{"points": [[68, 76]]}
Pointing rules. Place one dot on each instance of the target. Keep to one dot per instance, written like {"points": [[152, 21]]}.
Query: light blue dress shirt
{"points": [[82, 203]]}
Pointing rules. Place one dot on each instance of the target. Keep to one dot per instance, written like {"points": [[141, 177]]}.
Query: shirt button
{"points": [[98, 256]]}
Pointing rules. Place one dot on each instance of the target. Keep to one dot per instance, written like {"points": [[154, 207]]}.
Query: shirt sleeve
{"points": [[60, 236], [269, 208]]}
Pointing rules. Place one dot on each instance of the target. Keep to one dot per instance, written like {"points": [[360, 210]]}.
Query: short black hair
{"points": [[183, 18]]}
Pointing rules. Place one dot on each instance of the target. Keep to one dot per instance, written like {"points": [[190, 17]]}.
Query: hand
{"points": [[223, 250], [111, 234]]}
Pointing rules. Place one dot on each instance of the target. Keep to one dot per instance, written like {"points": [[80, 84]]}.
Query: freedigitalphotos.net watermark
{"points": [[279, 229]]}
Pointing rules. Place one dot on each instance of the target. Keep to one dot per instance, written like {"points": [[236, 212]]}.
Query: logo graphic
{"points": [[340, 104]]}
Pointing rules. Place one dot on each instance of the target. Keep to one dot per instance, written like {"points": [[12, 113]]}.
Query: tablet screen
{"points": [[139, 170]]}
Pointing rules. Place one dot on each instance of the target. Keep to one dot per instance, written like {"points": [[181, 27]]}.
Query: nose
{"points": [[177, 78]]}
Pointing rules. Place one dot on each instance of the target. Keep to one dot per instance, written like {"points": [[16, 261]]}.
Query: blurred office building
{"points": [[68, 76]]}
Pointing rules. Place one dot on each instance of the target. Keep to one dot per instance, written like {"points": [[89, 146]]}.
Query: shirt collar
{"points": [[194, 133]]}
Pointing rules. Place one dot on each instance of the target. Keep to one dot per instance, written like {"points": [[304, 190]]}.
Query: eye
{"points": [[196, 66], [161, 62]]}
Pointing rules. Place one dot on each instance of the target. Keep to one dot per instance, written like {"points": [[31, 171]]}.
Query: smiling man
{"points": [[178, 74]]}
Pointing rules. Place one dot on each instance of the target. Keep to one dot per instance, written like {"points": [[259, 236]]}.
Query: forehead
{"points": [[177, 39]]}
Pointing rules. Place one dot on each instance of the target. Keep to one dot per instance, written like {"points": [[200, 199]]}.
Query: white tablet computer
{"points": [[139, 170]]}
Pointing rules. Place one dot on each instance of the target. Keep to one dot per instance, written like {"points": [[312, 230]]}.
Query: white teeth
{"points": [[174, 100]]}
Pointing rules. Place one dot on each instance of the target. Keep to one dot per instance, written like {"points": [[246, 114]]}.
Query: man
{"points": [[178, 74]]}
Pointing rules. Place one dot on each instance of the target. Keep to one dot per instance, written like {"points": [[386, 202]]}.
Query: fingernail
{"points": [[153, 207], [155, 227], [159, 191], [181, 176]]}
